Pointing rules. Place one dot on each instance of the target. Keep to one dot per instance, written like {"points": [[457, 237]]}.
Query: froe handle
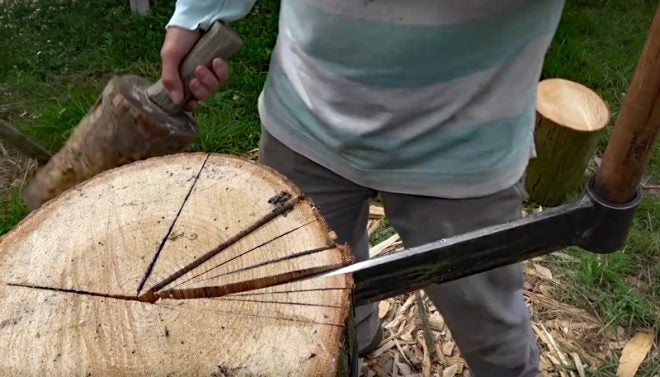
{"points": [[634, 136], [220, 41]]}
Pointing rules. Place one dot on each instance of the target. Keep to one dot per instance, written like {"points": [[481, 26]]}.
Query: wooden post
{"points": [[71, 273], [637, 127], [141, 7], [570, 118]]}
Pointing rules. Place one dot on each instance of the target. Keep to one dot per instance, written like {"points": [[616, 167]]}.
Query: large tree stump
{"points": [[569, 120], [72, 271]]}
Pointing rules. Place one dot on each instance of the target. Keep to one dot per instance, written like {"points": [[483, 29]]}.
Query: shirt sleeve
{"points": [[200, 14]]}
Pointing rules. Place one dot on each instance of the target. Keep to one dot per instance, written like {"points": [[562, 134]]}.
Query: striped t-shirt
{"points": [[425, 97]]}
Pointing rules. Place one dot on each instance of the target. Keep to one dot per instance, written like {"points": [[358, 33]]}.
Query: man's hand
{"points": [[177, 44]]}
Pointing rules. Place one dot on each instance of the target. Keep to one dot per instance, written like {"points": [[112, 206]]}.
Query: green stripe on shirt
{"points": [[390, 55]]}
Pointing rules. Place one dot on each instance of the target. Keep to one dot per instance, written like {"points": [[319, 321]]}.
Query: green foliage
{"points": [[621, 286], [12, 212], [55, 64], [598, 44]]}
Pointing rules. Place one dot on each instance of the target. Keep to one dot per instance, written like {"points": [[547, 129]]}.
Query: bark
{"points": [[123, 126]]}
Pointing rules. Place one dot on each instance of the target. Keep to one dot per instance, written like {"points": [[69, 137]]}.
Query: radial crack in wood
{"points": [[83, 254]]}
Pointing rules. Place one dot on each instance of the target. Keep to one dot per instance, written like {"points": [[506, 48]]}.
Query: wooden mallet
{"points": [[132, 120]]}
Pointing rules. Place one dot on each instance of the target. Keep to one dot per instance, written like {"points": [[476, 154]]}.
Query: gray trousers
{"points": [[485, 312]]}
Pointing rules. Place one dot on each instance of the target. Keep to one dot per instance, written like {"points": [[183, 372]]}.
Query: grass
{"points": [[56, 57], [598, 44]]}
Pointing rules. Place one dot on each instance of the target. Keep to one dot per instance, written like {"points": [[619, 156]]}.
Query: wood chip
{"points": [[383, 308], [450, 371], [458, 361], [554, 359], [372, 226], [578, 364], [409, 301], [565, 256], [441, 356], [426, 361], [407, 330], [380, 372], [378, 249], [436, 322], [545, 290], [382, 349], [448, 348], [543, 271], [407, 338], [448, 337], [376, 212], [398, 346], [633, 354], [552, 345]]}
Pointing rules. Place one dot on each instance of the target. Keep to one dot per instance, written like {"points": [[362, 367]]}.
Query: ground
{"points": [[585, 307]]}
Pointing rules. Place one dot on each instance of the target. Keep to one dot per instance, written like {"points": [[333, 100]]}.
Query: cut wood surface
{"points": [[569, 120], [71, 271], [123, 126]]}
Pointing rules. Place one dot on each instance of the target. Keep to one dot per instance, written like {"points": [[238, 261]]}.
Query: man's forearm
{"points": [[200, 14]]}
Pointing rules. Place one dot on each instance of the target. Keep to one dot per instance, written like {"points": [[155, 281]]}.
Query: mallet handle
{"points": [[219, 41], [633, 138]]}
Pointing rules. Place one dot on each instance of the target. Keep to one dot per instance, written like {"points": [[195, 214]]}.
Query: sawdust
{"points": [[15, 168]]}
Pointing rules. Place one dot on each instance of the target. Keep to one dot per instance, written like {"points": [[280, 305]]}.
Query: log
{"points": [[72, 271], [121, 127], [569, 120]]}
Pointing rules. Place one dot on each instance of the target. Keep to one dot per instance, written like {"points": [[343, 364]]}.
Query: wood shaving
{"points": [[450, 371], [381, 247], [376, 212]]}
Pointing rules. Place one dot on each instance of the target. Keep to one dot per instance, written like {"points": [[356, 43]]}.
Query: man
{"points": [[429, 103]]}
